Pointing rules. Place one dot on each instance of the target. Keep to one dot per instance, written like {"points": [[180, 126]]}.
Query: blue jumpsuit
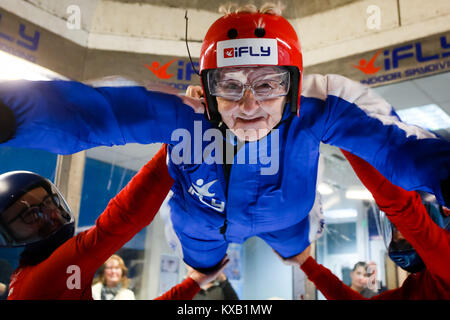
{"points": [[207, 210]]}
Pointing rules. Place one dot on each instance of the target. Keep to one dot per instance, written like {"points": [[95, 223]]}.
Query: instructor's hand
{"points": [[297, 260], [194, 98], [204, 278]]}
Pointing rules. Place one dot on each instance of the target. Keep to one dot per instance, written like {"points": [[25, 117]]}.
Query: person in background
{"points": [[55, 264], [418, 241], [113, 281], [360, 279], [218, 289], [3, 290]]}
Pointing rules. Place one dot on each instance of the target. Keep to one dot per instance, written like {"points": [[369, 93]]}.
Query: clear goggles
{"points": [[392, 238], [231, 83], [24, 223]]}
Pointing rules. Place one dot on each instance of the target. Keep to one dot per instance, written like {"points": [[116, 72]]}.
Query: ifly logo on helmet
{"points": [[228, 53], [240, 51], [247, 52]]}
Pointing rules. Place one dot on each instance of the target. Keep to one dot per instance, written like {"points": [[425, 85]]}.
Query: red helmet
{"points": [[251, 39]]}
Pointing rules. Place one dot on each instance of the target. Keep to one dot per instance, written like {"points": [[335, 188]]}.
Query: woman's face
{"points": [[248, 118], [113, 272], [33, 216], [359, 277]]}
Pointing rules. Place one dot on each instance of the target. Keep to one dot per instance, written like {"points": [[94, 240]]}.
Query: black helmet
{"points": [[31, 209]]}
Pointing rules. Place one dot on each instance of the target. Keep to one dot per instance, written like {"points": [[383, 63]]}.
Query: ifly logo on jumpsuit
{"points": [[212, 153]]}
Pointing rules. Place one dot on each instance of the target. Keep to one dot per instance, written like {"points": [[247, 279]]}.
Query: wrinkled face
{"points": [[113, 272], [359, 277], [259, 110], [35, 215]]}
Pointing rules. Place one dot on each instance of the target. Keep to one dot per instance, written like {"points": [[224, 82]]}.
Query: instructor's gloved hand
{"points": [[8, 125]]}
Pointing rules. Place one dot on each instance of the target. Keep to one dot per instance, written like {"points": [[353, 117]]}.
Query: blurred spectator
{"points": [[360, 280], [113, 281]]}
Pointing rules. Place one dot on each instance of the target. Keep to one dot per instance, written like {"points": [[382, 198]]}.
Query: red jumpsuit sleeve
{"points": [[186, 290], [408, 214], [327, 283], [126, 214]]}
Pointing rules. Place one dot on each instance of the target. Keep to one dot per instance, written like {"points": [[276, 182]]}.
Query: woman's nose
{"points": [[248, 102]]}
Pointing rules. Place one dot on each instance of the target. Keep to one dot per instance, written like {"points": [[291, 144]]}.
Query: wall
{"points": [[326, 34], [265, 276]]}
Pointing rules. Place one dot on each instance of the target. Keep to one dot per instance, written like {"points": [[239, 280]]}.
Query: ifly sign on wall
{"points": [[179, 73], [38, 45], [401, 62], [404, 61], [22, 41]]}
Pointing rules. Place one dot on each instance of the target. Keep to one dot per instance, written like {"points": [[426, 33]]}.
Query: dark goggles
{"points": [[32, 214], [37, 222]]}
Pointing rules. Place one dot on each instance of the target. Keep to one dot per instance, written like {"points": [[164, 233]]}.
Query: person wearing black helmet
{"points": [[417, 239], [56, 265], [32, 209]]}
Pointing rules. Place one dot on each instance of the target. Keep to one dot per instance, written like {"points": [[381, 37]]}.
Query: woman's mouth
{"points": [[250, 120]]}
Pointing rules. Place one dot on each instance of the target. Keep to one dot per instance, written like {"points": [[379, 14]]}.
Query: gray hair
{"points": [[268, 8]]}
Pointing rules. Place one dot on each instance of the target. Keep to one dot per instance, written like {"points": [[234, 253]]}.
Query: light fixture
{"points": [[324, 189], [429, 116], [358, 194], [14, 68], [340, 213]]}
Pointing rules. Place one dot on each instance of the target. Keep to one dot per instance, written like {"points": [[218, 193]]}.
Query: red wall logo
{"points": [[160, 71], [368, 67], [228, 52]]}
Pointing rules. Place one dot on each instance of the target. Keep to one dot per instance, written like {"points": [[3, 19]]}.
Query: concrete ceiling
{"points": [[328, 29], [293, 8]]}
